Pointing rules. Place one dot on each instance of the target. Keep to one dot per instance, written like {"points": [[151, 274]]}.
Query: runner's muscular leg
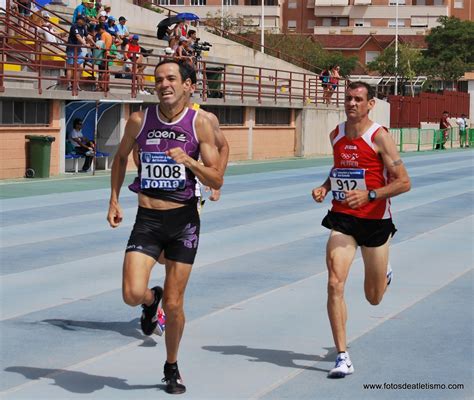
{"points": [[375, 263], [136, 274], [340, 252], [177, 275]]}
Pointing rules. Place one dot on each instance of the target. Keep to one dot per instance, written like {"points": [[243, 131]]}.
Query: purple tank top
{"points": [[160, 176]]}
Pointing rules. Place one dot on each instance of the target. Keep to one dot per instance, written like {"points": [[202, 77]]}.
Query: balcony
{"points": [[381, 12], [331, 3], [362, 2], [369, 30]]}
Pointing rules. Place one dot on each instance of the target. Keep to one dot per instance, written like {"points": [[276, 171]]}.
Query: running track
{"points": [[255, 304]]}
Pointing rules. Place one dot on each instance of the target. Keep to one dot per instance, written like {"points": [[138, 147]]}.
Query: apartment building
{"points": [[364, 17], [250, 9]]}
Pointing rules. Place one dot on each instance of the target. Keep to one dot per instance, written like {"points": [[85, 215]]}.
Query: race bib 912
{"points": [[345, 179]]}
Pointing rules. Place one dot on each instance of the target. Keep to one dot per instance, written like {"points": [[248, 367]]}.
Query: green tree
{"points": [[300, 50], [450, 52], [409, 64]]}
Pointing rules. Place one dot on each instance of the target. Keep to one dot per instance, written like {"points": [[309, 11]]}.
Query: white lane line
{"points": [[250, 299], [294, 374]]}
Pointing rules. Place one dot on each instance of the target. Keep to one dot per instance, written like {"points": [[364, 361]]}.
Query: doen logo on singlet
{"points": [[170, 135]]}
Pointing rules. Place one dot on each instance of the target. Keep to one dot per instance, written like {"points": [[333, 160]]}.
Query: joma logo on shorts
{"points": [[155, 134]]}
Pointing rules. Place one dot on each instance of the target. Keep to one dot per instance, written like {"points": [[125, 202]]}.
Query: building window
{"points": [[272, 116], [371, 56], [258, 2], [343, 21], [394, 2], [359, 22], [458, 3], [311, 23], [327, 21], [231, 2], [362, 22], [171, 2], [227, 115], [292, 4], [198, 2], [392, 23], [438, 2], [419, 2], [19, 112], [292, 24]]}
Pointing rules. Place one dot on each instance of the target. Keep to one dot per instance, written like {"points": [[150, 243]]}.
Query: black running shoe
{"points": [[149, 317], [174, 384]]}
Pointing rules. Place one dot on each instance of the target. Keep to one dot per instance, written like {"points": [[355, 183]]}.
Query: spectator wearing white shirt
{"points": [[81, 144], [462, 123], [122, 29], [50, 33]]}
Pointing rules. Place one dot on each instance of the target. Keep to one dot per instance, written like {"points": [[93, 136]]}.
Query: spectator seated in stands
{"points": [[103, 17], [91, 14], [49, 32], [192, 36], [111, 27], [81, 144], [107, 9], [79, 10], [183, 52], [122, 29]]}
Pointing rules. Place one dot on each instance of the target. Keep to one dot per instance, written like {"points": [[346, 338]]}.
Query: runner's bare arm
{"points": [[399, 180], [221, 142], [119, 167], [208, 173]]}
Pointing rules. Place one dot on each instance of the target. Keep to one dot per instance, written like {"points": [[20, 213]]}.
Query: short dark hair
{"points": [[359, 84], [77, 121], [445, 112], [185, 72], [190, 32]]}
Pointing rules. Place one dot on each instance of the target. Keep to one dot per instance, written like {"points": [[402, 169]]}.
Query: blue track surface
{"points": [[256, 302]]}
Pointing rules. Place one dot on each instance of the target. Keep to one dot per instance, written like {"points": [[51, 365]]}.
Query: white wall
{"points": [[317, 123]]}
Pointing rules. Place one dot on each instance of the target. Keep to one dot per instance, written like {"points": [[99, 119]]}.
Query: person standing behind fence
{"points": [[462, 123], [444, 126], [74, 53], [334, 81]]}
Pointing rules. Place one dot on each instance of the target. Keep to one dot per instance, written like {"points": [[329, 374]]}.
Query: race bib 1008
{"points": [[160, 171], [345, 179]]}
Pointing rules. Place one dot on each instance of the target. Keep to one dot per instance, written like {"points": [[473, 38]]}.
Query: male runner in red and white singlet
{"points": [[367, 172]]}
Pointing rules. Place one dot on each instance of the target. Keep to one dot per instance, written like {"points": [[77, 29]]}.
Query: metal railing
{"points": [[416, 139], [230, 82], [41, 63]]}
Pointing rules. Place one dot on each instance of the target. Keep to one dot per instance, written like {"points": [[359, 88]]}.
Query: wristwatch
{"points": [[372, 195]]}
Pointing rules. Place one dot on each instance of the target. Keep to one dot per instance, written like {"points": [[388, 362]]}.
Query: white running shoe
{"points": [[343, 366]]}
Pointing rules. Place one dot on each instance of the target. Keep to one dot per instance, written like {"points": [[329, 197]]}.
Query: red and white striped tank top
{"points": [[358, 166]]}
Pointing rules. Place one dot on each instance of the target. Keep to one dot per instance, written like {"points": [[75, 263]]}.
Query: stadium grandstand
{"points": [[267, 107]]}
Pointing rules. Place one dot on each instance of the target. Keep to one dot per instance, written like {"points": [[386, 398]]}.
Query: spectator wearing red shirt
{"points": [[444, 126]]}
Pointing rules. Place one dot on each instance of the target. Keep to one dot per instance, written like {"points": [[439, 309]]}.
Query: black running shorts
{"points": [[175, 231], [366, 232]]}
